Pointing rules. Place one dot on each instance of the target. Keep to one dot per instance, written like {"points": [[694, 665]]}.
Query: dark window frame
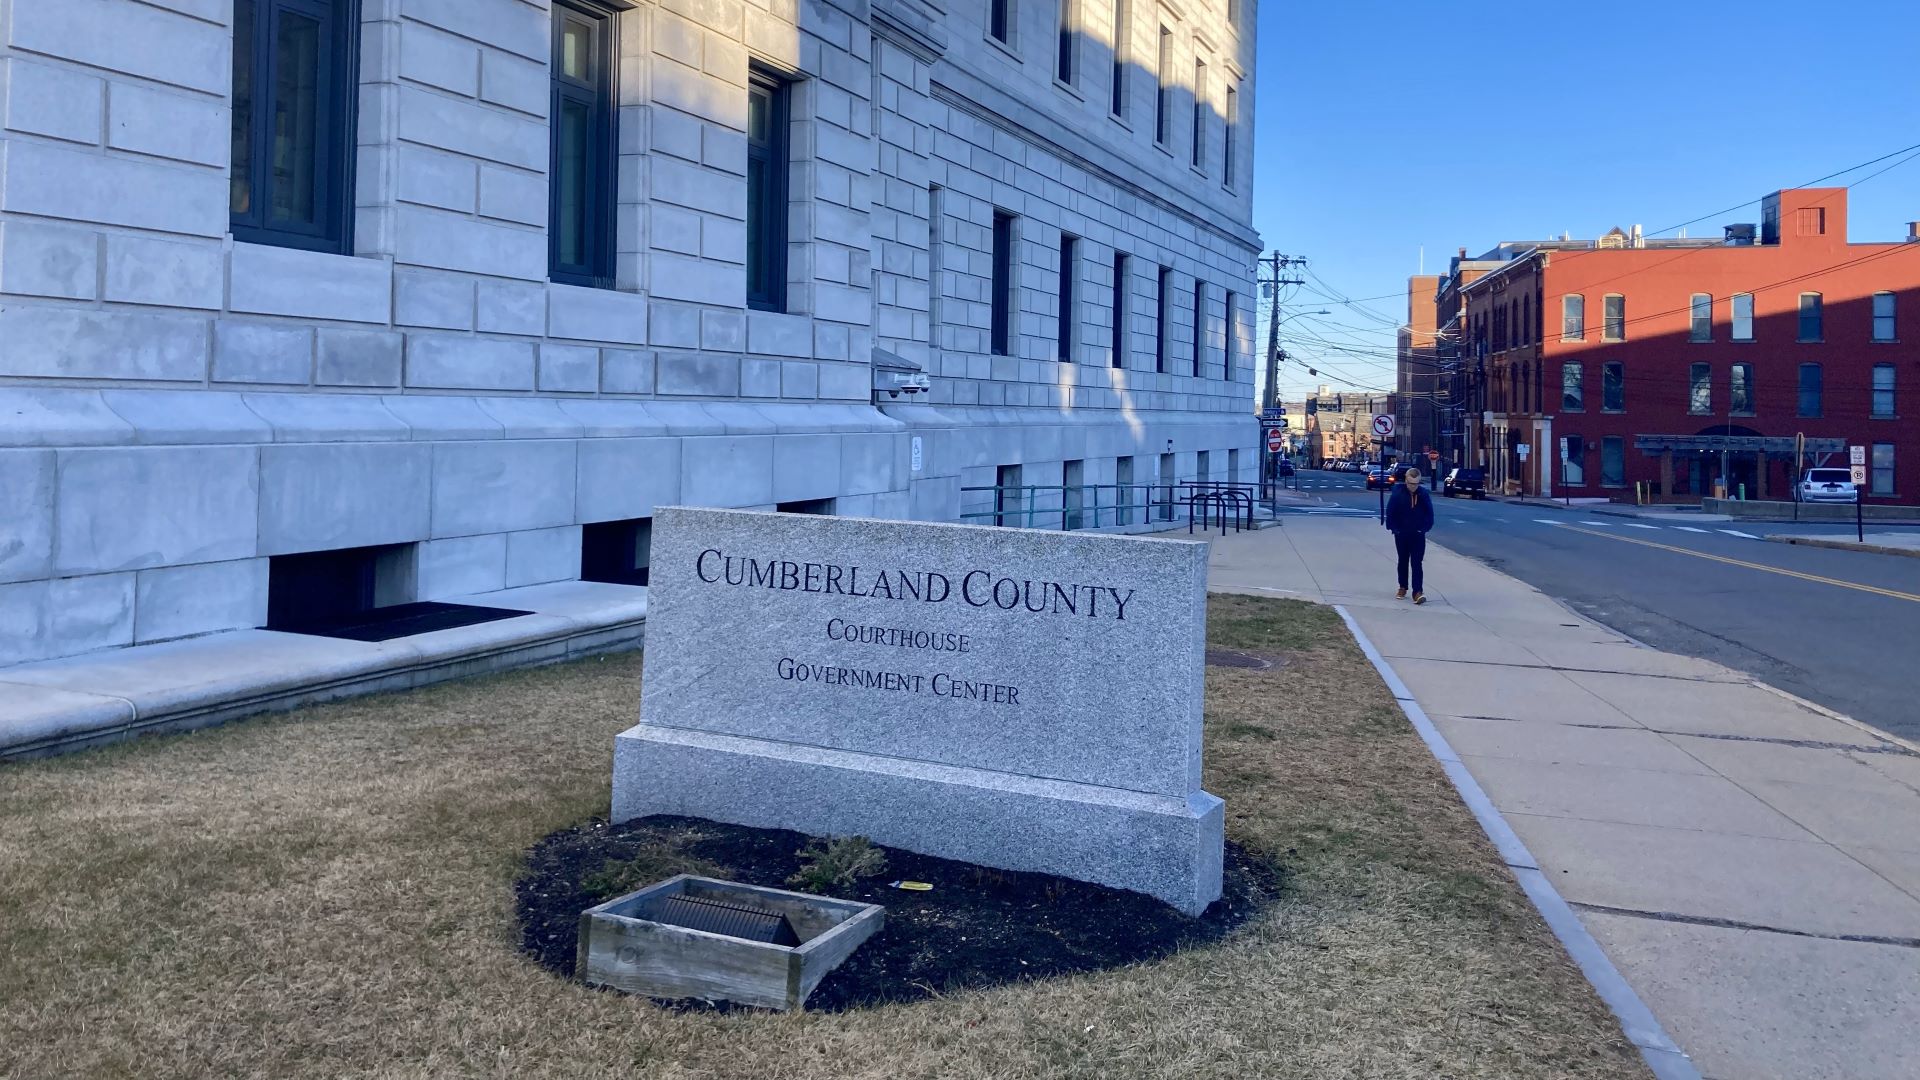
{"points": [[1230, 345], [1699, 377], [1813, 316], [1122, 286], [1818, 389], [1890, 390], [1613, 377], [1613, 451], [1573, 317], [1700, 317], [776, 152], [1613, 327], [1739, 321], [1891, 318], [1122, 57], [1197, 154], [1069, 278], [1000, 330], [1163, 92], [1163, 295], [1573, 374], [1739, 387], [1000, 21], [1231, 121], [1066, 51], [1199, 327], [336, 127], [596, 270]]}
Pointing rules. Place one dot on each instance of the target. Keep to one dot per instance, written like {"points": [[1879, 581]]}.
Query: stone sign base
{"points": [[1165, 846]]}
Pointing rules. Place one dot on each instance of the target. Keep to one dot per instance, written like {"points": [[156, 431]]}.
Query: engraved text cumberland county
{"points": [[975, 588], [978, 588]]}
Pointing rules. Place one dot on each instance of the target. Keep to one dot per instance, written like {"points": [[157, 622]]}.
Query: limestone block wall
{"points": [[178, 407]]}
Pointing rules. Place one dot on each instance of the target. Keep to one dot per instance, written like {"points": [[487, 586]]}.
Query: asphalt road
{"points": [[1839, 628]]}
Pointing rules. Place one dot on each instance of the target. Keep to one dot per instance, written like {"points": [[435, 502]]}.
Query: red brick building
{"points": [[1679, 364]]}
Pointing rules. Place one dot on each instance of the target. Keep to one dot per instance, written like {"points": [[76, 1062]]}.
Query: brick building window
{"points": [[1613, 461], [1880, 478], [1700, 317], [1883, 391], [1743, 316], [1573, 317], [1812, 317], [1573, 392], [1812, 390], [1573, 466], [1700, 389], [1883, 322], [1120, 309], [1740, 390], [295, 70], [1000, 331], [580, 169], [1069, 270], [1614, 314], [767, 102], [1613, 387]]}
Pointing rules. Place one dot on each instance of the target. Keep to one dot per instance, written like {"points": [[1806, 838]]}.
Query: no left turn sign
{"points": [[1383, 425]]}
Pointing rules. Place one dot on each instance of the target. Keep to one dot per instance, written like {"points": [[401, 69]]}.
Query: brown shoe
{"points": [[1400, 594], [1419, 598]]}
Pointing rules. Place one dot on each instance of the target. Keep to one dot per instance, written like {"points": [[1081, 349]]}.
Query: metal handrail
{"points": [[1094, 513]]}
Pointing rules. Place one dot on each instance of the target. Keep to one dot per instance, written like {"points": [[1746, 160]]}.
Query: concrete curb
{"points": [[1843, 545], [1637, 1022]]}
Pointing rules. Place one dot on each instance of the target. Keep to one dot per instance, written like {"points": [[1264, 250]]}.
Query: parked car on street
{"points": [[1827, 485], [1469, 481], [1283, 468]]}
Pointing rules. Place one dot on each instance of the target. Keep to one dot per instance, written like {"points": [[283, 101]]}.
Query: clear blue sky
{"points": [[1385, 125]]}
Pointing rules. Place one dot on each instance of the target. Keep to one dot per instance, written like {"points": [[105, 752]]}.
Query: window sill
{"points": [[1883, 341], [1068, 89], [1005, 47], [1197, 170], [1810, 341], [1884, 417], [1121, 121], [1163, 148]]}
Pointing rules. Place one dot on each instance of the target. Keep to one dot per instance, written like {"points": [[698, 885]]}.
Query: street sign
{"points": [[1859, 476], [1433, 455], [1856, 455], [1383, 425], [1523, 450], [1276, 441], [1278, 412]]}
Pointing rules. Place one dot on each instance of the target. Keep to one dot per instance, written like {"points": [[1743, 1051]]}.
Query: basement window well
{"points": [[616, 552], [360, 594]]}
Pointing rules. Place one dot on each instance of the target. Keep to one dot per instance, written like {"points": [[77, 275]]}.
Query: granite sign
{"points": [[1023, 699]]}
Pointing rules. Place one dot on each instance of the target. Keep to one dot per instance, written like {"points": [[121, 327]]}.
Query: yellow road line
{"points": [[1896, 594]]}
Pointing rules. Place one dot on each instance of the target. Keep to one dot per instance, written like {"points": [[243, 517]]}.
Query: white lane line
{"points": [[1546, 521], [1689, 528], [1637, 525], [1738, 533]]}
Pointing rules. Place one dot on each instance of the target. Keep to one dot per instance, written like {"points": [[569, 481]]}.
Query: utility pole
{"points": [[1276, 264]]}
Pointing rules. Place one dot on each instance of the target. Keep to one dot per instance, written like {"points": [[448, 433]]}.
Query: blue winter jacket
{"points": [[1409, 511]]}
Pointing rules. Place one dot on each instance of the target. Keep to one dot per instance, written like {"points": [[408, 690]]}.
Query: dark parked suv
{"points": [[1471, 481]]}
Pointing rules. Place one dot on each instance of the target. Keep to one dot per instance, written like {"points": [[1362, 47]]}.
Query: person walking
{"points": [[1409, 518]]}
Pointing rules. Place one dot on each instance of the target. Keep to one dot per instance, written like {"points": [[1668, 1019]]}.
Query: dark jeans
{"points": [[1412, 548]]}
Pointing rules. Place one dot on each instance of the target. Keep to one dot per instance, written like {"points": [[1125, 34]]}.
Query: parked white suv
{"points": [[1827, 485]]}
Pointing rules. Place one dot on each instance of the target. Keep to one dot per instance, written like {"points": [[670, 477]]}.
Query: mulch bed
{"points": [[979, 926]]}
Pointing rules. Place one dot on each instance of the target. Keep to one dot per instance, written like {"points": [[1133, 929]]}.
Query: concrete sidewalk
{"points": [[1749, 863]]}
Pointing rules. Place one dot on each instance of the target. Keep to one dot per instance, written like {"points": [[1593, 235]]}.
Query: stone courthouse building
{"points": [[309, 306]]}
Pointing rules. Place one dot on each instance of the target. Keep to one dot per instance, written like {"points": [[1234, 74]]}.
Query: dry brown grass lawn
{"points": [[329, 893]]}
